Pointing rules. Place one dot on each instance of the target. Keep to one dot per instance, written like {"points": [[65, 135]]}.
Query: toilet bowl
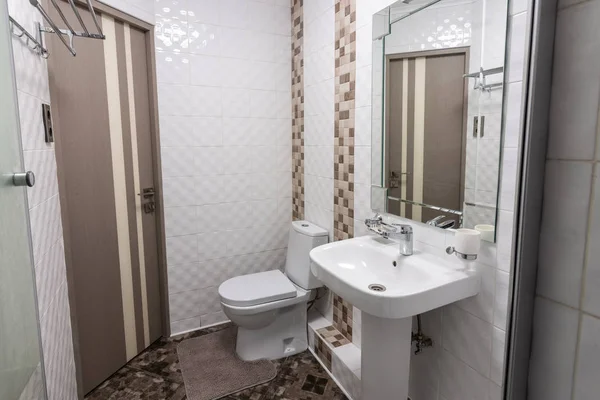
{"points": [[269, 308]]}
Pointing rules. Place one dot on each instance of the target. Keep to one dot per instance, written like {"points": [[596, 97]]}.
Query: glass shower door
{"points": [[20, 355]]}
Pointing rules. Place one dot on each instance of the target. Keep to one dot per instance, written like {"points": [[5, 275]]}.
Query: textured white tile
{"points": [[516, 46], [172, 67], [205, 70], [498, 348], [213, 318], [182, 250], [501, 299], [587, 385], [43, 164], [553, 351], [575, 86], [504, 240], [46, 227], [59, 363], [50, 273], [204, 39], [468, 338], [185, 325], [212, 245], [458, 381], [194, 303], [206, 11], [563, 231], [345, 376], [181, 221], [482, 305]]}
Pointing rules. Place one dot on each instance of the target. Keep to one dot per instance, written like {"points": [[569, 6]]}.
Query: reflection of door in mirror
{"points": [[426, 114]]}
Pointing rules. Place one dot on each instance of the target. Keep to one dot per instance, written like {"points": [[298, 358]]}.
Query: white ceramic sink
{"points": [[414, 285]]}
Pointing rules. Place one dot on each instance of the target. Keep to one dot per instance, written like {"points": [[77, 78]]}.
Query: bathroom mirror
{"points": [[438, 72]]}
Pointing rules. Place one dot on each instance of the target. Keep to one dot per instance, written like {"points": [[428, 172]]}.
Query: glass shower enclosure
{"points": [[21, 371]]}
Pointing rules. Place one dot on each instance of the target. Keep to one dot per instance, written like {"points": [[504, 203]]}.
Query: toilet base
{"points": [[284, 337]]}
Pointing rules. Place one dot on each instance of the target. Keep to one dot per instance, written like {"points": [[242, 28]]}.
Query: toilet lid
{"points": [[253, 289]]}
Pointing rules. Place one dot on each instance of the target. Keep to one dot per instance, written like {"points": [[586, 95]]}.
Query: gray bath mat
{"points": [[211, 369]]}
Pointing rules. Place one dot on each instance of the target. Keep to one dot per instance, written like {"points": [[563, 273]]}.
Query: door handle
{"points": [[147, 193], [24, 179]]}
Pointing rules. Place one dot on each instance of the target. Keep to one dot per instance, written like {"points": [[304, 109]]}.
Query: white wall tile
{"points": [[553, 351], [498, 349], [501, 299], [458, 381], [468, 338], [562, 239], [229, 129], [587, 385], [482, 305], [575, 86]]}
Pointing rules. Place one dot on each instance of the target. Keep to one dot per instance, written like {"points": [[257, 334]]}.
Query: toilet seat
{"points": [[261, 292], [256, 289]]}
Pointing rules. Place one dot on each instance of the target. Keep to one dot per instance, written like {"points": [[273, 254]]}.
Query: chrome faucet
{"points": [[403, 232], [437, 222]]}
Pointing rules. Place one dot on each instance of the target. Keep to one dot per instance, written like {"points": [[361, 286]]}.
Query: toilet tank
{"points": [[304, 236]]}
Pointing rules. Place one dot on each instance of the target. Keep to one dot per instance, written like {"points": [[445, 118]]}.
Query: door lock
{"points": [[148, 194]]}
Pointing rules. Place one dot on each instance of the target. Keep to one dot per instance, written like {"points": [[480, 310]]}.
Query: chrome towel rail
{"points": [[35, 44], [69, 32]]}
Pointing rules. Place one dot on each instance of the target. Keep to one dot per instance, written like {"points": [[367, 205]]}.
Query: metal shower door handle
{"points": [[24, 179]]}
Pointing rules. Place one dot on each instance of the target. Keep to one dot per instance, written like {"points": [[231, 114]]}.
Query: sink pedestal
{"points": [[385, 359]]}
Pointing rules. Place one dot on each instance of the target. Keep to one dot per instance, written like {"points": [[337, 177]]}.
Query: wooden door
{"points": [[426, 134], [102, 125]]}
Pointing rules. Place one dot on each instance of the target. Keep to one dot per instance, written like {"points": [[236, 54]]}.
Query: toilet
{"points": [[269, 308]]}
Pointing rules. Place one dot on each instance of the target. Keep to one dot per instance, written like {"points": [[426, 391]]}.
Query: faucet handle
{"points": [[403, 228], [376, 220]]}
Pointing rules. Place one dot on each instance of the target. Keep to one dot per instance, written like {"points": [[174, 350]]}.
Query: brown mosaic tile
{"points": [[342, 316], [297, 110], [323, 351], [344, 123], [333, 336]]}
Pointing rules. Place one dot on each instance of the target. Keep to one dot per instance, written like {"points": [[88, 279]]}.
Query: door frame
{"points": [[463, 50], [148, 30]]}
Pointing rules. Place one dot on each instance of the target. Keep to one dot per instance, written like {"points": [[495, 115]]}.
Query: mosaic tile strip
{"points": [[323, 351], [333, 336], [342, 316], [343, 166], [297, 110], [345, 89]]}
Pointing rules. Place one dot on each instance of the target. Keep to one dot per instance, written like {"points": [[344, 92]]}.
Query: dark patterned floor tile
{"points": [[155, 374], [132, 384]]}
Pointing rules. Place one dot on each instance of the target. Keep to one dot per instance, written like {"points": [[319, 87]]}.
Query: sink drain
{"points": [[377, 288]]}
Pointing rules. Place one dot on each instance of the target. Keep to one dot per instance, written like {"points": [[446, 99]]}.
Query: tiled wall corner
{"points": [[297, 110], [224, 71], [566, 337], [44, 210]]}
